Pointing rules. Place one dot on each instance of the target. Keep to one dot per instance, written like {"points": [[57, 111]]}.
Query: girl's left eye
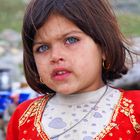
{"points": [[71, 40]]}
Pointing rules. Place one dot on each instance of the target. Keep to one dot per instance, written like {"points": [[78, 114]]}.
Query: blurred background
{"points": [[13, 86]]}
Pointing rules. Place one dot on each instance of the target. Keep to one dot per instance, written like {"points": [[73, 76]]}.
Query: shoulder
{"points": [[21, 108], [130, 107], [12, 129], [26, 105], [133, 95], [21, 114]]}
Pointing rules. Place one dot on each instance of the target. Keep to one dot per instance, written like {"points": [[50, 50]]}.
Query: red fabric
{"points": [[13, 130], [123, 131], [126, 130]]}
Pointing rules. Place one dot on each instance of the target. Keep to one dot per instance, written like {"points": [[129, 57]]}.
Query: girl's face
{"points": [[68, 60]]}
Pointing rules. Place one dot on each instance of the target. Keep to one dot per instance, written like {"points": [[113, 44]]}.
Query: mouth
{"points": [[60, 74]]}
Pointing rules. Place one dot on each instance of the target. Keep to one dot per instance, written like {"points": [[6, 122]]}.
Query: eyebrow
{"points": [[72, 32], [38, 43], [63, 35]]}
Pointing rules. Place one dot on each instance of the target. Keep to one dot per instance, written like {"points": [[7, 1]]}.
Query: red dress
{"points": [[25, 124]]}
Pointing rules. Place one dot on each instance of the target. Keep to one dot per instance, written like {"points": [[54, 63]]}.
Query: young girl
{"points": [[72, 49]]}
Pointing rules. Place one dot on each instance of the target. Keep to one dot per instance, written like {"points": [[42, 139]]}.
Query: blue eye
{"points": [[42, 48], [71, 40]]}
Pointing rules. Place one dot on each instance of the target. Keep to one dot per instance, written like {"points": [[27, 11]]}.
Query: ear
{"points": [[103, 56]]}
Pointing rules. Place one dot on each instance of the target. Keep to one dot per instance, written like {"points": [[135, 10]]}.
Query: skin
{"points": [[68, 60]]}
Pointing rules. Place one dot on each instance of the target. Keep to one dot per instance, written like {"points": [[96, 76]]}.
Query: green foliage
{"points": [[11, 14], [130, 24]]}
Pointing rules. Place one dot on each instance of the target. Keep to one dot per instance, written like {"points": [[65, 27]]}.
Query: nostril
{"points": [[61, 59], [56, 60]]}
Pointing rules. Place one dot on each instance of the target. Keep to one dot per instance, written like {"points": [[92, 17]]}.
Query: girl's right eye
{"points": [[42, 48]]}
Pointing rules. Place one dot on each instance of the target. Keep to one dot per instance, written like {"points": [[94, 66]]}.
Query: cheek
{"points": [[40, 60], [43, 72], [41, 65], [38, 63], [90, 59]]}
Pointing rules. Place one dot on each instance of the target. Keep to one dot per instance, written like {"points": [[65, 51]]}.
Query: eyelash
{"points": [[41, 48], [75, 40]]}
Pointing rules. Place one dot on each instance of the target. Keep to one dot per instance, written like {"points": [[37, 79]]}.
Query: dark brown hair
{"points": [[94, 17]]}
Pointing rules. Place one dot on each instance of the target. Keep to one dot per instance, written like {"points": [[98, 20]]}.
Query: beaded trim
{"points": [[30, 111], [111, 125], [35, 109], [37, 122], [127, 109], [105, 131]]}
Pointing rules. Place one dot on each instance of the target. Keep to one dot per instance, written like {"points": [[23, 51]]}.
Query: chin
{"points": [[65, 91]]}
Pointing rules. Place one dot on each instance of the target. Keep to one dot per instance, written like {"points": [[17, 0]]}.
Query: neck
{"points": [[78, 98]]}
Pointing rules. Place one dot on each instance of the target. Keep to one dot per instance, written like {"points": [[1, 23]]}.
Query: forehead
{"points": [[56, 26]]}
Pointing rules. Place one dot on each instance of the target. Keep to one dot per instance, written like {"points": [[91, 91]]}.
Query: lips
{"points": [[60, 74]]}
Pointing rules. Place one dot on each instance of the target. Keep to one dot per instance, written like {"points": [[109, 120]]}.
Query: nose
{"points": [[57, 55], [56, 60]]}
